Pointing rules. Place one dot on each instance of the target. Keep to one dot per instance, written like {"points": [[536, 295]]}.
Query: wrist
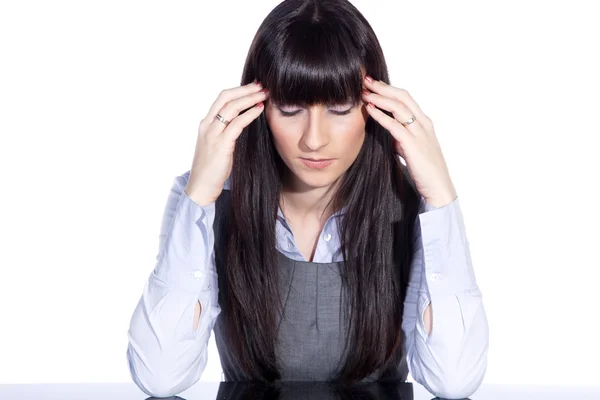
{"points": [[440, 202], [198, 196]]}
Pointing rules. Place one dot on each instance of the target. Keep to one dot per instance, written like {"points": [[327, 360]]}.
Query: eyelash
{"points": [[291, 114]]}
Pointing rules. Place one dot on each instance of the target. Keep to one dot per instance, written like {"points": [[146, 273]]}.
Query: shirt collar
{"points": [[337, 214]]}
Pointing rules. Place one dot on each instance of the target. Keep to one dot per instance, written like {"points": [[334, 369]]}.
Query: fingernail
{"points": [[265, 91], [369, 79], [365, 92], [258, 83]]}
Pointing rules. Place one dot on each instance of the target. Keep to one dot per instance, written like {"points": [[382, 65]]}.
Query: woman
{"points": [[352, 269]]}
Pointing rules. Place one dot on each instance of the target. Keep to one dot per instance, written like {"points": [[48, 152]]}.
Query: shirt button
{"points": [[198, 274], [328, 237]]}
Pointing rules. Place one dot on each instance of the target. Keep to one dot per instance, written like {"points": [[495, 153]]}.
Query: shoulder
{"points": [[183, 179]]}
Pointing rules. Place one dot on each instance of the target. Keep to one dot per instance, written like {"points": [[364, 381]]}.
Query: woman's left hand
{"points": [[416, 142]]}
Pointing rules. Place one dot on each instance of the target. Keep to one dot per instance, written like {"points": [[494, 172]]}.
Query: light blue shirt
{"points": [[167, 356]]}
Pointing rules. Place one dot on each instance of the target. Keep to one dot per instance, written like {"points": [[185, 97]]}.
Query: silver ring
{"points": [[410, 121], [223, 120]]}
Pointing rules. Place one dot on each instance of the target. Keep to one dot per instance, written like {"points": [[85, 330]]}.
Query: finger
{"points": [[399, 94], [230, 94], [410, 102], [235, 128], [236, 106], [394, 127], [232, 109], [399, 110]]}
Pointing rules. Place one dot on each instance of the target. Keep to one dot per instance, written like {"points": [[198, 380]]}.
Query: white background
{"points": [[99, 109]]}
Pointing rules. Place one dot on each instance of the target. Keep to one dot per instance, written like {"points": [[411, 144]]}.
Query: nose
{"points": [[315, 135]]}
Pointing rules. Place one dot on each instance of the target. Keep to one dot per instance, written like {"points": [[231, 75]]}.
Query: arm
{"points": [[447, 334], [172, 322]]}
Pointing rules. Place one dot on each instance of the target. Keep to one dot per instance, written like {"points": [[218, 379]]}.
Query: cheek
{"points": [[283, 136], [350, 136]]}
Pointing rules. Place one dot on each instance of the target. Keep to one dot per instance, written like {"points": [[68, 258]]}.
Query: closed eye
{"points": [[345, 112], [287, 113], [334, 112]]}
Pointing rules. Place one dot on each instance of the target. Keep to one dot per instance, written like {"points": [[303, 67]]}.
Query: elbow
{"points": [[459, 378], [159, 390], [149, 383], [159, 383], [459, 383], [456, 387], [464, 371], [155, 389]]}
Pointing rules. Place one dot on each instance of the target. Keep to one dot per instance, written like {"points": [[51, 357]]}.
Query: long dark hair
{"points": [[313, 52]]}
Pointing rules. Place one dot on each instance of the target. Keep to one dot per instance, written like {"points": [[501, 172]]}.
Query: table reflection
{"points": [[209, 390], [390, 390]]}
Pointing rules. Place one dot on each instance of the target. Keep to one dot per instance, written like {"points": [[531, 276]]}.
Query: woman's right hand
{"points": [[213, 157]]}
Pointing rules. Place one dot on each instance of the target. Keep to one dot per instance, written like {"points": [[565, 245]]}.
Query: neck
{"points": [[305, 202]]}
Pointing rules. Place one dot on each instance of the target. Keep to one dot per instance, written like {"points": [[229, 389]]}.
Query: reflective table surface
{"points": [[291, 390]]}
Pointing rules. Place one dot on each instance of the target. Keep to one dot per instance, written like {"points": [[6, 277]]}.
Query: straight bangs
{"points": [[298, 74]]}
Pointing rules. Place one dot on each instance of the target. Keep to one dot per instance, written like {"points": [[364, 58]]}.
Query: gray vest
{"points": [[312, 333]]}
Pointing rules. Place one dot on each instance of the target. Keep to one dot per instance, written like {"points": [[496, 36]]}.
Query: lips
{"points": [[320, 164]]}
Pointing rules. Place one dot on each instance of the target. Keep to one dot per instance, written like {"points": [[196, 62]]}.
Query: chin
{"points": [[316, 179]]}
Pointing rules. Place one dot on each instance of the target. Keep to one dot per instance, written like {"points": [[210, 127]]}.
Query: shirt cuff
{"points": [[448, 267], [186, 261]]}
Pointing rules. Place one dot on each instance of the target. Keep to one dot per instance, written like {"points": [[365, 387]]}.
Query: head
{"points": [[312, 55]]}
